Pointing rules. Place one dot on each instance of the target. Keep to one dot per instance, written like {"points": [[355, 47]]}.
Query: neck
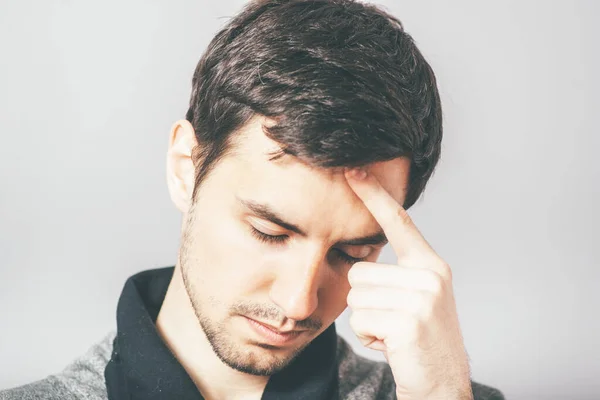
{"points": [[179, 328]]}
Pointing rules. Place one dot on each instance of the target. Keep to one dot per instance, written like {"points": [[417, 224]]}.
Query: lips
{"points": [[272, 336]]}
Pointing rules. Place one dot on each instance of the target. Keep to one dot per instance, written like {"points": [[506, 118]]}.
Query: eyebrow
{"points": [[265, 212]]}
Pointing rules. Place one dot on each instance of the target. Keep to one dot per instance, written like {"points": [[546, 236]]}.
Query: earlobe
{"points": [[180, 165]]}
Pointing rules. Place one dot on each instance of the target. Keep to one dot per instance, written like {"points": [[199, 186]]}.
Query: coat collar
{"points": [[143, 368]]}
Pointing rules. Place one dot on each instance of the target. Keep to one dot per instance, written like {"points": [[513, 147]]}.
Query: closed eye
{"points": [[266, 238], [281, 239], [346, 258]]}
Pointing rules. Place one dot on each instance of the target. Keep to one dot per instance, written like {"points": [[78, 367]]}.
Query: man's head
{"points": [[287, 95]]}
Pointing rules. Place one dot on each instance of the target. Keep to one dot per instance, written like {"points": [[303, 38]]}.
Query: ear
{"points": [[180, 166]]}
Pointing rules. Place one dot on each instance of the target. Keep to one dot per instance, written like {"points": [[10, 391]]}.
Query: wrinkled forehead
{"points": [[310, 195], [254, 147]]}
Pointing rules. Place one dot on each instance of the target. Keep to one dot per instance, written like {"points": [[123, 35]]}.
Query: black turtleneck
{"points": [[143, 368]]}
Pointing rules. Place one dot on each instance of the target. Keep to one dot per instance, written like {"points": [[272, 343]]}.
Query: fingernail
{"points": [[358, 173]]}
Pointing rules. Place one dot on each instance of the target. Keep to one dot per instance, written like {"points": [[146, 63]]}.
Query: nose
{"points": [[296, 288]]}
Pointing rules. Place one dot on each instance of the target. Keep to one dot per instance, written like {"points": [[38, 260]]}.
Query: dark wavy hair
{"points": [[344, 82]]}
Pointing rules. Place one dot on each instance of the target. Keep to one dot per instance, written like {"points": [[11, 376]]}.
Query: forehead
{"points": [[295, 188]]}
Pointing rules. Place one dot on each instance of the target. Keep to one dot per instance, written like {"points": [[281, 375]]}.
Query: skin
{"points": [[226, 276], [407, 310]]}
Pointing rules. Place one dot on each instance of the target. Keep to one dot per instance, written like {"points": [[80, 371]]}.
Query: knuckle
{"points": [[437, 284], [445, 271], [355, 272], [359, 265], [434, 282], [352, 278], [351, 298]]}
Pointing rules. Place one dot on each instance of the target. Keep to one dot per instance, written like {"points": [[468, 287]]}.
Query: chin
{"points": [[259, 359]]}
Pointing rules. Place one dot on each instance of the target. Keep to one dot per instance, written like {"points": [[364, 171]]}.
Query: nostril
{"points": [[297, 302]]}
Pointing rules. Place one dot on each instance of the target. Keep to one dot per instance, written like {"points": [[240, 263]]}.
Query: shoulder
{"points": [[483, 392], [361, 378], [82, 379]]}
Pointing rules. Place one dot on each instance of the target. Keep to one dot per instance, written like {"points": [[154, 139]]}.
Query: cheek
{"points": [[227, 260], [334, 294]]}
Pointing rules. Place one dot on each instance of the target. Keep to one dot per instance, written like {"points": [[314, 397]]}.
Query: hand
{"points": [[408, 310]]}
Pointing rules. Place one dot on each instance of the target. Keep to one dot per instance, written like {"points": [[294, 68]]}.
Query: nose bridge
{"points": [[296, 287]]}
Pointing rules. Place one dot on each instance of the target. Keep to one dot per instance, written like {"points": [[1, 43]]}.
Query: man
{"points": [[313, 126]]}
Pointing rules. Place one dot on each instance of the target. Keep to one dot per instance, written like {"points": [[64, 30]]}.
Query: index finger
{"points": [[399, 228]]}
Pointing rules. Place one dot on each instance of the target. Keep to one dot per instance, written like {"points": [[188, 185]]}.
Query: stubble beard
{"points": [[247, 358], [251, 358]]}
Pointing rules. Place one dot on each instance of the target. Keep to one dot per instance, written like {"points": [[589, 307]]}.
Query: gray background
{"points": [[88, 92]]}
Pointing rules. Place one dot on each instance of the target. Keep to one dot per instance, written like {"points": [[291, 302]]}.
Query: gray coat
{"points": [[359, 378]]}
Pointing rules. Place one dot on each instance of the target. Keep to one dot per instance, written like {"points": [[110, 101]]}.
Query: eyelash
{"points": [[280, 239]]}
